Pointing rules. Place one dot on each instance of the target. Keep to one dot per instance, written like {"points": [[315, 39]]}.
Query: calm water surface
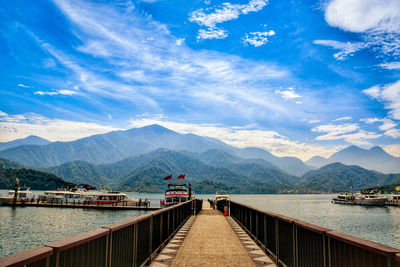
{"points": [[26, 227]]}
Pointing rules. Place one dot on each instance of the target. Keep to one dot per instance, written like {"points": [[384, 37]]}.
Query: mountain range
{"points": [[118, 145], [373, 159], [138, 159], [30, 140], [208, 172]]}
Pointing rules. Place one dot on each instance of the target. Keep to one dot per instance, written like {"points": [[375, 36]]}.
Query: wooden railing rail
{"points": [[132, 242], [292, 242]]}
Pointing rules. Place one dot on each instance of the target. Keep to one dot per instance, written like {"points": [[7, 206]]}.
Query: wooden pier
{"points": [[116, 206], [213, 240]]}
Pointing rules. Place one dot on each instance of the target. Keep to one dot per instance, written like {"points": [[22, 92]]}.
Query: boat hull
{"points": [[371, 202]]}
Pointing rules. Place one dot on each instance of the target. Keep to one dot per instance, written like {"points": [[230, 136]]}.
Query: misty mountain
{"points": [[337, 177], [118, 145], [373, 159], [5, 163], [109, 147], [145, 173], [30, 140], [291, 165]]}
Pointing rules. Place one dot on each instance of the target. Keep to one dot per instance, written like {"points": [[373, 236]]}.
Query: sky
{"points": [[298, 78]]}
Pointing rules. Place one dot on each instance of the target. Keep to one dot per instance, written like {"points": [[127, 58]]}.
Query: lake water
{"points": [[27, 227]]}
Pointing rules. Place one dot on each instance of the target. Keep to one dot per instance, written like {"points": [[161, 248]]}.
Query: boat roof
{"points": [[177, 184]]}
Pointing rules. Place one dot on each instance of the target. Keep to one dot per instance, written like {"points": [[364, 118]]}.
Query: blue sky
{"points": [[298, 78]]}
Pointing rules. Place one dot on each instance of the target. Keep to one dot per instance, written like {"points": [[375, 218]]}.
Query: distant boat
{"points": [[23, 195], [88, 197], [364, 199], [370, 199], [177, 193], [393, 200], [345, 198], [221, 195]]}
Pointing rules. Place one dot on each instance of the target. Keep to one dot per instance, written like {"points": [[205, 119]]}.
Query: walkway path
{"points": [[213, 240]]}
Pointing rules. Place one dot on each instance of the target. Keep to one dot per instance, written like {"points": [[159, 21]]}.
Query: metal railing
{"points": [[292, 242], [132, 243]]}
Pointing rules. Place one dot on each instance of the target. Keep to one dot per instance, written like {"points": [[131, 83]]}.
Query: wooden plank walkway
{"points": [[213, 240]]}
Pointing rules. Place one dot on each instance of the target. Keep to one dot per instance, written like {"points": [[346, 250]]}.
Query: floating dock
{"points": [[81, 206]]}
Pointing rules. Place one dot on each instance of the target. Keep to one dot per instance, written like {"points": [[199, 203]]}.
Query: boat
{"points": [[22, 194], [370, 199], [85, 196], [393, 200], [344, 198], [177, 193], [221, 195]]}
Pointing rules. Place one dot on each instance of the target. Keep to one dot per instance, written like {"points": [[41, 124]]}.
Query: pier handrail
{"points": [[133, 242], [292, 242]]}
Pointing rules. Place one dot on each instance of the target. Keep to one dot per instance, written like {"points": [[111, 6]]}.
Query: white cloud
{"points": [[20, 126], [389, 94], [364, 15], [314, 121], [212, 33], [393, 149], [242, 137], [346, 49], [3, 114], [258, 38], [378, 21], [180, 41], [395, 133], [349, 132], [24, 86], [288, 94], [221, 14], [154, 71], [343, 119], [386, 123], [57, 92], [390, 65]]}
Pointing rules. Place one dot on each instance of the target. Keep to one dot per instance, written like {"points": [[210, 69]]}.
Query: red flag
{"points": [[182, 176], [169, 177]]}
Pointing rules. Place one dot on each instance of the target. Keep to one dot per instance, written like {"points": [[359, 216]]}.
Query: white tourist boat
{"points": [[87, 197], [370, 199], [345, 198], [221, 195], [393, 200], [23, 194]]}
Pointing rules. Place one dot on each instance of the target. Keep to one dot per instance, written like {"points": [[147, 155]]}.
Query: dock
{"points": [[211, 240], [82, 206]]}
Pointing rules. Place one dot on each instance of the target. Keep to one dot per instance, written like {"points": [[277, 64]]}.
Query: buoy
{"points": [[225, 210]]}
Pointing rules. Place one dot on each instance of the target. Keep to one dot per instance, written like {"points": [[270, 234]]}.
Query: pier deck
{"points": [[57, 205], [213, 240]]}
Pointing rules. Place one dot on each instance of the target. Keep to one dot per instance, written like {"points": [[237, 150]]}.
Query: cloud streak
{"points": [[20, 126], [210, 17]]}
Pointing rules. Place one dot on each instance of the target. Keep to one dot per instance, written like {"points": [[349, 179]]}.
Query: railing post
{"points": [[277, 240], [265, 231], [151, 221], [135, 245], [295, 245]]}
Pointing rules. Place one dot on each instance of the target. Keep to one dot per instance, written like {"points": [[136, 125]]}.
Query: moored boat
{"points": [[19, 194], [370, 199], [88, 197], [176, 192], [345, 198], [221, 195], [393, 200]]}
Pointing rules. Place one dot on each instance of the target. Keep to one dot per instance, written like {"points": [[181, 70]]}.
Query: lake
{"points": [[27, 227]]}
